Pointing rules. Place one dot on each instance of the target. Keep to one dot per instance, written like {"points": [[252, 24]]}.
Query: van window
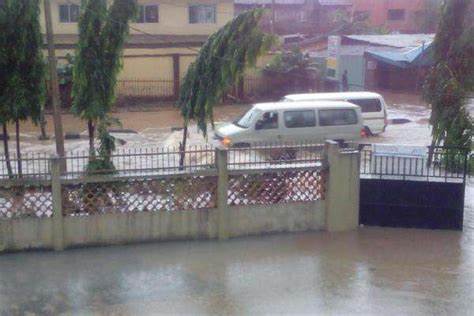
{"points": [[337, 117], [368, 105], [269, 121], [303, 118], [246, 119]]}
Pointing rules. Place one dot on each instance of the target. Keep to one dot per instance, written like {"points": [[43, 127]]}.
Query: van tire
{"points": [[368, 131], [241, 145]]}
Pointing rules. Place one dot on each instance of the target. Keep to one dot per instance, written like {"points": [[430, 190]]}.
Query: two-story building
{"points": [[404, 16], [164, 39], [308, 17]]}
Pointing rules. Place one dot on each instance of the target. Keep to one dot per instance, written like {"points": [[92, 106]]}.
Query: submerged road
{"points": [[371, 271]]}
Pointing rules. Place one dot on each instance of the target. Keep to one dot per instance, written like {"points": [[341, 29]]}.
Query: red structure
{"points": [[404, 16]]}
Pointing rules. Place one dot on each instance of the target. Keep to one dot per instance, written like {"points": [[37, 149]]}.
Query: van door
{"points": [[267, 128], [299, 126], [339, 124], [373, 113]]}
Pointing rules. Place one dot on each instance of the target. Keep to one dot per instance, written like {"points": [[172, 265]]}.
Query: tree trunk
{"points": [[7, 151], [44, 135], [18, 149], [182, 147], [91, 130], [431, 150]]}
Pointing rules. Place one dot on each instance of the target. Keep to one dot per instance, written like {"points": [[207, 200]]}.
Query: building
{"points": [[291, 16], [164, 39], [403, 16], [374, 62], [307, 17]]}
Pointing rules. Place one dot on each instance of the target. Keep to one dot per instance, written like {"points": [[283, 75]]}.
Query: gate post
{"points": [[343, 187], [222, 194], [58, 229]]}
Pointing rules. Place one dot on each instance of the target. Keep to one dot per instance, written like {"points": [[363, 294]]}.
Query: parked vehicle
{"points": [[313, 121], [374, 109]]}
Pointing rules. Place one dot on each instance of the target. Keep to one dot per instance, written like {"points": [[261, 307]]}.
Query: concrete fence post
{"points": [[58, 219], [343, 187], [222, 193]]}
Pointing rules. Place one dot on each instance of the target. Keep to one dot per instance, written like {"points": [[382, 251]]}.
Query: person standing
{"points": [[345, 81]]}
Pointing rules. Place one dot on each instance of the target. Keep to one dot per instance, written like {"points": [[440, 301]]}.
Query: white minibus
{"points": [[374, 109], [313, 121]]}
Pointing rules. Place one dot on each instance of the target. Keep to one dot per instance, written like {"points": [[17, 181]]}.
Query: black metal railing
{"points": [[275, 155], [430, 163]]}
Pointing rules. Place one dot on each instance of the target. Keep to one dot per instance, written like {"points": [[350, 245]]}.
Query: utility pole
{"points": [[58, 125], [273, 17]]}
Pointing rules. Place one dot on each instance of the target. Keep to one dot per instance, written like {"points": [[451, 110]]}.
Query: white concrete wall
{"points": [[26, 233], [339, 211], [112, 229]]}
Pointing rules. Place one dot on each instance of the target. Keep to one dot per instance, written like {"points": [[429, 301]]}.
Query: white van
{"points": [[313, 121], [374, 109]]}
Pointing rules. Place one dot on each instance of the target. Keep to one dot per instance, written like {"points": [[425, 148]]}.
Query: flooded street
{"points": [[371, 271]]}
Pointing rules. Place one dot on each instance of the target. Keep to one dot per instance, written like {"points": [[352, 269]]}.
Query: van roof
{"points": [[304, 105], [333, 96]]}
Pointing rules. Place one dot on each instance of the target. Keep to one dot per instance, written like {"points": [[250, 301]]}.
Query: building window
{"points": [[361, 15], [202, 14], [68, 13], [303, 17], [296, 119], [396, 14], [147, 14]]}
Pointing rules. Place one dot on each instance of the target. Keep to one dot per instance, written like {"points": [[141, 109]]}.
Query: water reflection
{"points": [[371, 271]]}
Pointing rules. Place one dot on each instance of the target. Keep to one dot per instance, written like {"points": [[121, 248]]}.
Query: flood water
{"points": [[371, 271]]}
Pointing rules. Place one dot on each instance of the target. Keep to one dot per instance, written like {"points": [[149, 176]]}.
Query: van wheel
{"points": [[241, 145], [368, 132]]}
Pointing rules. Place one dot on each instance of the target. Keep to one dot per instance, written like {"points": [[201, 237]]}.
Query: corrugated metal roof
{"points": [[335, 2], [140, 40], [404, 57], [261, 2], [293, 2], [394, 40]]}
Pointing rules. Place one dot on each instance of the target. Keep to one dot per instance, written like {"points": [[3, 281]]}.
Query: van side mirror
{"points": [[259, 125]]}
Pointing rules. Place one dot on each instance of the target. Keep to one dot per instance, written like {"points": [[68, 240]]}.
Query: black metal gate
{"points": [[411, 187]]}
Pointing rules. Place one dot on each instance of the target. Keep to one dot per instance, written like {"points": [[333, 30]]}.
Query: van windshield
{"points": [[246, 120]]}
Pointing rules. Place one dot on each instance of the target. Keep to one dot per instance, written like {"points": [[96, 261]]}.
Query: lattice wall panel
{"points": [[140, 195], [277, 187], [26, 201]]}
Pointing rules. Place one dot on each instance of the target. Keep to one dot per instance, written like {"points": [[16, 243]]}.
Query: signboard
{"points": [[334, 51], [400, 151]]}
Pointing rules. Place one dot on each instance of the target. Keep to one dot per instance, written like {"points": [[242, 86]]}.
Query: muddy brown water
{"points": [[165, 116], [372, 271]]}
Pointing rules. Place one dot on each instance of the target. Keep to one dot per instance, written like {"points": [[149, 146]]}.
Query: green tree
{"points": [[22, 84], [220, 64], [102, 34], [452, 77], [342, 22], [290, 72]]}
